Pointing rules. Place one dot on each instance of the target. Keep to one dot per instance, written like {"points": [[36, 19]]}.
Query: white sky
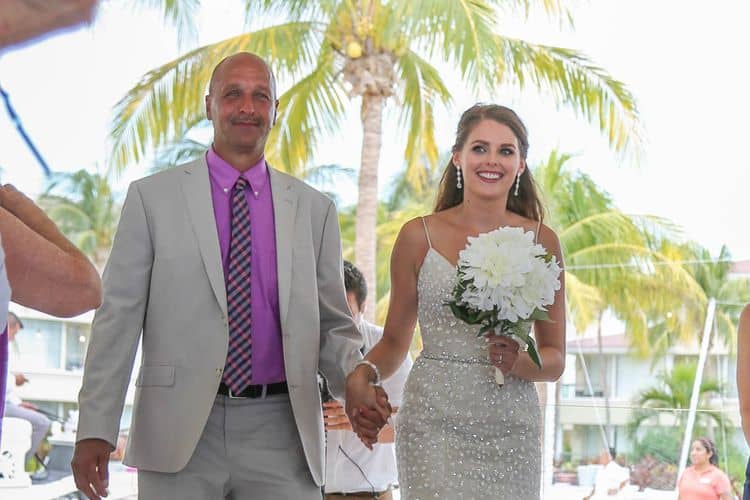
{"points": [[685, 61]]}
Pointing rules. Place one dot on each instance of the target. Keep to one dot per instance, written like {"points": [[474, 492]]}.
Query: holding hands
{"points": [[367, 405]]}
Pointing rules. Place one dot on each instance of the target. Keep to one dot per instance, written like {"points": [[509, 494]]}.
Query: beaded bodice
{"points": [[445, 336]]}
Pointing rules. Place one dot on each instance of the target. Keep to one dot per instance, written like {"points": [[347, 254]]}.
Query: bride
{"points": [[459, 434]]}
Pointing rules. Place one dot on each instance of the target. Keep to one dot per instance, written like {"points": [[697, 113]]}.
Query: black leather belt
{"points": [[254, 391]]}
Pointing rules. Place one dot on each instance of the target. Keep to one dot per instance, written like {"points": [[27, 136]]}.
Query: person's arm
{"points": [[549, 335], [406, 259], [46, 271], [723, 486], [390, 351], [743, 370], [22, 20]]}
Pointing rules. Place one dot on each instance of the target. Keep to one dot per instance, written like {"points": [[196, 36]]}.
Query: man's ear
{"points": [[275, 112], [208, 107]]}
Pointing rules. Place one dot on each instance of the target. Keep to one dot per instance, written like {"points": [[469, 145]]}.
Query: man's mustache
{"points": [[246, 120]]}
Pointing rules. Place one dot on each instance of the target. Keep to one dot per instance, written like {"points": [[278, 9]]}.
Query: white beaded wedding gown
{"points": [[458, 434]]}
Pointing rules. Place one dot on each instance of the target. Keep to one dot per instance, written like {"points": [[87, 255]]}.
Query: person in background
{"points": [[353, 471], [703, 480], [610, 479], [743, 383], [15, 406]]}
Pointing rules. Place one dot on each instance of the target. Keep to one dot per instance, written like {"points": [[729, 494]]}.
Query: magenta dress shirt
{"points": [[268, 355]]}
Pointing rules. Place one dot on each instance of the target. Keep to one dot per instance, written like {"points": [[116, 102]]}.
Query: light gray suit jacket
{"points": [[164, 278]]}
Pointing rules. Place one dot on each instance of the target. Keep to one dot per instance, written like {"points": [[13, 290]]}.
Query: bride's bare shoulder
{"points": [[413, 234]]}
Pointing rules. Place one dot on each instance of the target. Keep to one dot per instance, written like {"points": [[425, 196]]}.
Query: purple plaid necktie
{"points": [[237, 371]]}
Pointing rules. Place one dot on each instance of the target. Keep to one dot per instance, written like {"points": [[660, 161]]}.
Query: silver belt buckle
{"points": [[232, 396]]}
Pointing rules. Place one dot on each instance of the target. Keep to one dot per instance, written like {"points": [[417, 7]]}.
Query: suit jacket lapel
{"points": [[284, 209], [197, 189]]}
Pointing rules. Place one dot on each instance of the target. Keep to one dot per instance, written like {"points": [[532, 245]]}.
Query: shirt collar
{"points": [[226, 175]]}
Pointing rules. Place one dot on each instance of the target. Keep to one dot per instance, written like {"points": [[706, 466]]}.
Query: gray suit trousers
{"points": [[249, 450]]}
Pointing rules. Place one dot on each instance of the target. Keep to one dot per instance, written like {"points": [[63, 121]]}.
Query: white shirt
{"points": [[610, 477], [379, 465]]}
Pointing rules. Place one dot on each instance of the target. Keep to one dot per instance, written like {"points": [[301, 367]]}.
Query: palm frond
{"points": [[584, 302], [461, 32], [312, 107], [570, 78], [180, 151], [181, 14], [422, 86]]}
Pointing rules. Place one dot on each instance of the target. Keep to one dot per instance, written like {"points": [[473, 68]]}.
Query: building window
{"points": [[40, 344], [76, 338]]}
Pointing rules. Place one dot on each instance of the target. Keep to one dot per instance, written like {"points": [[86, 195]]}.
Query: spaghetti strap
{"points": [[426, 232], [538, 227]]}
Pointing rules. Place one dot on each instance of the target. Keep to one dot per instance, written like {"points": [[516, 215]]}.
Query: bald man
{"points": [[230, 272]]}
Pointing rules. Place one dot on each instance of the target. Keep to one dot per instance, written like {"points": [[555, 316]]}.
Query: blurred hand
{"points": [[334, 417], [28, 406], [90, 466], [503, 352], [21, 379]]}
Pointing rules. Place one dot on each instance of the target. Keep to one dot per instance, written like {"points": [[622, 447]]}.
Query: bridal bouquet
{"points": [[504, 282]]}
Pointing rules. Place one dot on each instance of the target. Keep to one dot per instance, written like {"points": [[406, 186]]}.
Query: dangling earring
{"points": [[518, 184], [458, 178]]}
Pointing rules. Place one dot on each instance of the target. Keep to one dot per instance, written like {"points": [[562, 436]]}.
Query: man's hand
{"points": [[334, 417], [368, 410], [21, 379], [90, 466]]}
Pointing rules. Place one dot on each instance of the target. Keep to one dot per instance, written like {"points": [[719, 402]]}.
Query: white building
{"points": [[582, 403], [50, 353]]}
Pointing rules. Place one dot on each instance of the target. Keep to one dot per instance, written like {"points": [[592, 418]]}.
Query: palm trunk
{"points": [[365, 247], [605, 385]]}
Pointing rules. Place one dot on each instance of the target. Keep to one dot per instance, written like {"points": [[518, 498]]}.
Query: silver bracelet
{"points": [[374, 369]]}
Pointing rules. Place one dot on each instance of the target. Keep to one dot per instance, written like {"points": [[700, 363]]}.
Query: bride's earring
{"points": [[459, 185], [518, 184]]}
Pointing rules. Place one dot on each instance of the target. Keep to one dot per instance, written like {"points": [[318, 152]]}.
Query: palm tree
{"points": [[86, 210], [612, 262], [674, 391], [377, 52], [713, 277]]}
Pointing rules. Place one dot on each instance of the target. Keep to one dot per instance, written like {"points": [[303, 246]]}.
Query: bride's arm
{"points": [[406, 259], [388, 354], [549, 335]]}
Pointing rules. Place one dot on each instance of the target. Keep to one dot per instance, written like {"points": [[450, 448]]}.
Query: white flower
{"points": [[505, 269]]}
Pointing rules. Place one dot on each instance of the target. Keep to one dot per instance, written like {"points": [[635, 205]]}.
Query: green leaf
{"points": [[533, 354], [539, 315]]}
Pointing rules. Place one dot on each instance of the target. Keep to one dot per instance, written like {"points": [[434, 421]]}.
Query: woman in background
{"points": [[703, 480]]}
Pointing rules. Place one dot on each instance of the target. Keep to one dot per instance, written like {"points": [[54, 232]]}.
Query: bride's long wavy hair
{"points": [[527, 203]]}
